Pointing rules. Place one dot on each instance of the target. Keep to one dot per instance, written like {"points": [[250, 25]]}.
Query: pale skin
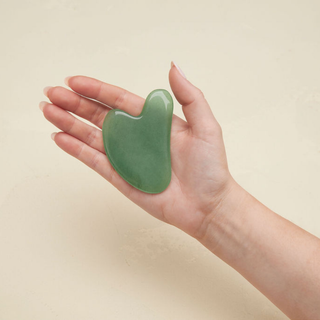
{"points": [[276, 256]]}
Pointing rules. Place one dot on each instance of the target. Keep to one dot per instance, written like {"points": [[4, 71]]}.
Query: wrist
{"points": [[226, 218]]}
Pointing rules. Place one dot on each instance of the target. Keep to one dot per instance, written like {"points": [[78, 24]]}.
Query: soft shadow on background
{"points": [[71, 246]]}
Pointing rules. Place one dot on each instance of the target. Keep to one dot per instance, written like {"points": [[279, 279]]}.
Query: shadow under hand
{"points": [[157, 265]]}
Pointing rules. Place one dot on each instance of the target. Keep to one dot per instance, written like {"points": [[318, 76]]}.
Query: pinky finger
{"points": [[91, 157]]}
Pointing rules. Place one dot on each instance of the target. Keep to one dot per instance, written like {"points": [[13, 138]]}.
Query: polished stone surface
{"points": [[139, 147]]}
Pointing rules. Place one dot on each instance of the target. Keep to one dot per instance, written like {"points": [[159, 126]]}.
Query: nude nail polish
{"points": [[46, 89], [179, 69], [66, 81]]}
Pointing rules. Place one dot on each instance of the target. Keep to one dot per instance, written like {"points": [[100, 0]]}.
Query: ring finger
{"points": [[73, 126]]}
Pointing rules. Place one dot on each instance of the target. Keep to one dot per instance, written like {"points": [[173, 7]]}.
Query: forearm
{"points": [[280, 259]]}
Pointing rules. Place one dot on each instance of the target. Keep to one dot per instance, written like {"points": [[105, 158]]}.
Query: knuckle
{"points": [[199, 93], [91, 137], [71, 125], [95, 116], [95, 161], [120, 99], [80, 151]]}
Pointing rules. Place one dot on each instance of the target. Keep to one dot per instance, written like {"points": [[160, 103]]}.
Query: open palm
{"points": [[200, 176]]}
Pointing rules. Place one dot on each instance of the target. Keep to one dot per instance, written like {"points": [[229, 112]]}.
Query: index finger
{"points": [[111, 95]]}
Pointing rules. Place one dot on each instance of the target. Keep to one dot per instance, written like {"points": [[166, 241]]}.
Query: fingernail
{"points": [[42, 104], [53, 135], [45, 90], [179, 69], [66, 81]]}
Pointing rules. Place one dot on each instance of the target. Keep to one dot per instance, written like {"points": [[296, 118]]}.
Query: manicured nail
{"points": [[179, 69], [42, 104], [66, 81], [45, 90], [53, 135]]}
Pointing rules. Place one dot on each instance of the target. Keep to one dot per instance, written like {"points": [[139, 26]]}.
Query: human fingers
{"points": [[194, 105], [90, 110], [109, 94], [73, 126], [94, 159], [113, 96]]}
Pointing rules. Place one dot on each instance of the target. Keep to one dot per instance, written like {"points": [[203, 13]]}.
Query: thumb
{"points": [[194, 105]]}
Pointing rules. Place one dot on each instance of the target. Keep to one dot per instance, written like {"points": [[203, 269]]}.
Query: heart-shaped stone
{"points": [[138, 148]]}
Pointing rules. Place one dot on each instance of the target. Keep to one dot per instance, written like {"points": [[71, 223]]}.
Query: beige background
{"points": [[71, 246]]}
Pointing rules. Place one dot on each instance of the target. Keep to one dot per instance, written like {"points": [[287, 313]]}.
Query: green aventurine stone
{"points": [[139, 147]]}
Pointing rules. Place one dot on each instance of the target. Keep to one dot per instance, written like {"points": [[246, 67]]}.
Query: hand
{"points": [[202, 198], [200, 176]]}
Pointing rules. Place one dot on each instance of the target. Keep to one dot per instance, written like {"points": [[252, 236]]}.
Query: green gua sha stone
{"points": [[138, 148]]}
